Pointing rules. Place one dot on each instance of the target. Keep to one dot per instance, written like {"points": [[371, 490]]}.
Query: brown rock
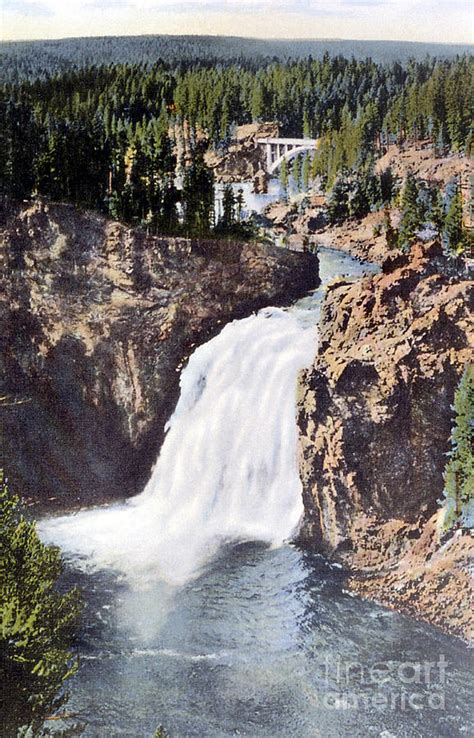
{"points": [[375, 413], [243, 159], [95, 321]]}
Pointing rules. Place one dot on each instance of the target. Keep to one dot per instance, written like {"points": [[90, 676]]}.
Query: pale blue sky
{"points": [[413, 20]]}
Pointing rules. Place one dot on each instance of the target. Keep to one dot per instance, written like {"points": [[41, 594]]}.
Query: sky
{"points": [[449, 21]]}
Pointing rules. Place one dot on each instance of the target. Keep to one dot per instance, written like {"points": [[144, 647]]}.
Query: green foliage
{"points": [[19, 134], [36, 622], [354, 193], [228, 218], [437, 213], [41, 59], [377, 230], [284, 176], [338, 202], [453, 224], [230, 221], [391, 235], [240, 204], [411, 219], [105, 136], [306, 170], [388, 186], [296, 171], [459, 472], [198, 196]]}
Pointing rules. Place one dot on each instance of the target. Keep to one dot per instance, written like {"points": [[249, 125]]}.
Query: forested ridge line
{"points": [[105, 137], [41, 59]]}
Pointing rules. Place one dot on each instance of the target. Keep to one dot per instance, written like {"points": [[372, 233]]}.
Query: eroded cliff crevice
{"points": [[375, 415], [96, 322]]}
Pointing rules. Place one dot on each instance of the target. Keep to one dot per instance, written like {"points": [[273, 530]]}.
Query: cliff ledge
{"points": [[96, 320], [375, 419]]}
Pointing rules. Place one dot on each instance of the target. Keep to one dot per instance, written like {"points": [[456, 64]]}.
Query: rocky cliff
{"points": [[243, 159], [375, 418], [96, 321]]}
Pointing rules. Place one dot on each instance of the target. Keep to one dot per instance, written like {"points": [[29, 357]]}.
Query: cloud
{"points": [[24, 7], [310, 8], [422, 20], [106, 5]]}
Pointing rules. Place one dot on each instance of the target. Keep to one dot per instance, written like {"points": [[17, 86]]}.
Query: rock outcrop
{"points": [[243, 159], [424, 163], [96, 321], [375, 418], [363, 238]]}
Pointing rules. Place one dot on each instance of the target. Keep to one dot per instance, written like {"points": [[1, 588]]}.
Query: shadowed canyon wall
{"points": [[96, 321]]}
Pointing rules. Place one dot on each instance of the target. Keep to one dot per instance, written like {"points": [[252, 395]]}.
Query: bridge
{"points": [[279, 149]]}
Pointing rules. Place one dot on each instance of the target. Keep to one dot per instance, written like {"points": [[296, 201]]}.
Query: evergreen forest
{"points": [[113, 137]]}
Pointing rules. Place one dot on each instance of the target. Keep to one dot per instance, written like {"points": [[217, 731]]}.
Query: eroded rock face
{"points": [[375, 409], [412, 567], [96, 321], [243, 160]]}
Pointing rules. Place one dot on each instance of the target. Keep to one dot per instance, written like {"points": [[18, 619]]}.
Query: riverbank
{"points": [[303, 219], [375, 419]]}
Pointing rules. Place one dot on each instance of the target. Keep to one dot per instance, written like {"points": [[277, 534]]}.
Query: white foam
{"points": [[228, 468]]}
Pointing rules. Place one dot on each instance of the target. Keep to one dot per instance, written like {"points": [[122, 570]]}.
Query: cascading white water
{"points": [[227, 470]]}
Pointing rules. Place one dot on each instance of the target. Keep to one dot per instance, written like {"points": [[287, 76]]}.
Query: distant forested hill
{"points": [[111, 137], [32, 59]]}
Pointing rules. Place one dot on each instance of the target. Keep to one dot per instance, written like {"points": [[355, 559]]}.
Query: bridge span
{"points": [[279, 149]]}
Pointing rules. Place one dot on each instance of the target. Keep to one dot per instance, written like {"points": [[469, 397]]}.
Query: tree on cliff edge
{"points": [[36, 624], [411, 220], [198, 195], [453, 226], [459, 472]]}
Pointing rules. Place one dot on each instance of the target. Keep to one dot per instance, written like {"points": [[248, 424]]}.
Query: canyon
{"points": [[97, 320]]}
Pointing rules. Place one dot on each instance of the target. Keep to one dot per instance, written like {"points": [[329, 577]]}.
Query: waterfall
{"points": [[228, 468]]}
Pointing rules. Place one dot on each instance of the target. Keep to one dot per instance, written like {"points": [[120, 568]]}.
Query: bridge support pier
{"points": [[278, 149]]}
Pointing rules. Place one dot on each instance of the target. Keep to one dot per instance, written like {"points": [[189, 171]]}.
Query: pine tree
{"points": [[306, 124], [296, 172], [306, 171], [453, 226], [37, 622], [160, 733], [459, 472], [437, 213], [411, 220], [240, 204], [227, 221], [137, 190], [338, 202], [258, 101], [391, 235], [198, 195], [387, 186], [284, 176], [19, 150]]}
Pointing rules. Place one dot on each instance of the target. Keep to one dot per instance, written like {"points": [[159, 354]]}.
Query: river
{"points": [[200, 613]]}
